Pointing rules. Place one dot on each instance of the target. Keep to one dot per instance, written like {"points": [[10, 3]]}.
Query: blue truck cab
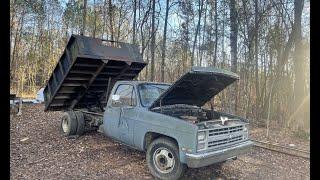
{"points": [[139, 114]]}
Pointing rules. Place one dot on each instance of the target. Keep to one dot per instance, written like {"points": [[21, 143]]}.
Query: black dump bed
{"points": [[86, 67]]}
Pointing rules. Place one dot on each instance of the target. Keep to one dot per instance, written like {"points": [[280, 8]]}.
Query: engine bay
{"points": [[204, 118]]}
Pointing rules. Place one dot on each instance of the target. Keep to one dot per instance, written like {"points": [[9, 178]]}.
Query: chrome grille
{"points": [[219, 137], [225, 141], [226, 130]]}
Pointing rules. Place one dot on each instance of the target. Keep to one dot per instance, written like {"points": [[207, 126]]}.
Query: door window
{"points": [[127, 95]]}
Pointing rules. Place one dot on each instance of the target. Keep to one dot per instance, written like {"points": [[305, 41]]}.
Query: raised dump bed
{"points": [[87, 71]]}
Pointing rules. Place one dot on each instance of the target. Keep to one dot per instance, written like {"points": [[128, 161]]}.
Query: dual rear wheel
{"points": [[72, 123]]}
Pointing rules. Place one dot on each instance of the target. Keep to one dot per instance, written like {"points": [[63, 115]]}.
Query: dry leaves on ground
{"points": [[39, 151]]}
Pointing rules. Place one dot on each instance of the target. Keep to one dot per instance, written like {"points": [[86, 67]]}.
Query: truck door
{"points": [[119, 125]]}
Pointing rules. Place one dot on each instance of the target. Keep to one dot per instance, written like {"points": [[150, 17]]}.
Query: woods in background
{"points": [[266, 42]]}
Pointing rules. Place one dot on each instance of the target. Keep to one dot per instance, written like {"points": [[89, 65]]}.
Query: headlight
{"points": [[201, 146], [201, 135]]}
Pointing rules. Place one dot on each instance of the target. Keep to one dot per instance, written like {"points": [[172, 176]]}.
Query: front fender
{"points": [[183, 132]]}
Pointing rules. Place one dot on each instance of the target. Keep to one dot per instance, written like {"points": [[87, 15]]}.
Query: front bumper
{"points": [[205, 159]]}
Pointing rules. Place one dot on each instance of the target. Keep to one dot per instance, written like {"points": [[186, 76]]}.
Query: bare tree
{"points": [[134, 21], [164, 41], [110, 13], [153, 40], [233, 45], [83, 30], [104, 17], [95, 19], [215, 32], [256, 50], [197, 31], [299, 64]]}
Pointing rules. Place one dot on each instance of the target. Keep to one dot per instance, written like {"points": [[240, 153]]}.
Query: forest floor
{"points": [[39, 151]]}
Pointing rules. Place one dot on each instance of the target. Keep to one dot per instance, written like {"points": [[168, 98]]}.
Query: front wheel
{"points": [[163, 159]]}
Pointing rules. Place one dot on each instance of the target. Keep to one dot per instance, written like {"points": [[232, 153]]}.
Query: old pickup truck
{"points": [[93, 83]]}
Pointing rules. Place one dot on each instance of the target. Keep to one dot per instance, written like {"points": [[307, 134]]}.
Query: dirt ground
{"points": [[39, 151]]}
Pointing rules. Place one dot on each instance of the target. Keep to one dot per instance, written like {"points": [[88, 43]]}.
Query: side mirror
{"points": [[115, 100], [115, 97]]}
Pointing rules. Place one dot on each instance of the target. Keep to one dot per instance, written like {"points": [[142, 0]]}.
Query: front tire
{"points": [[163, 159]]}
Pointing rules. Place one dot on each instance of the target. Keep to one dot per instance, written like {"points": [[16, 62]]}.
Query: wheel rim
{"points": [[163, 160], [65, 126]]}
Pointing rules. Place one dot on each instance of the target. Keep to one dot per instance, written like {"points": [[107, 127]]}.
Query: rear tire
{"points": [[69, 123], [163, 159], [80, 122]]}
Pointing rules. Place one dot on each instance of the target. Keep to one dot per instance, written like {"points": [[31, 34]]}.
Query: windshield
{"points": [[150, 92]]}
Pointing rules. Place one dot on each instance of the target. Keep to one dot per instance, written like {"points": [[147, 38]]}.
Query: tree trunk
{"points": [[111, 20], [104, 17], [256, 29], [95, 19], [119, 23], [233, 45], [298, 61], [196, 33], [223, 53], [164, 42], [84, 17], [17, 42], [203, 33], [153, 39], [134, 21], [216, 33]]}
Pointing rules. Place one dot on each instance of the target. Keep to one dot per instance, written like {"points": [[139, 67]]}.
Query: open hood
{"points": [[196, 87]]}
